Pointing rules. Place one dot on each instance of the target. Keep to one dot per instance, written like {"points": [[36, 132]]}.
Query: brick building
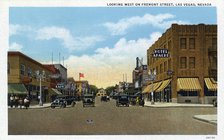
{"points": [[189, 74]]}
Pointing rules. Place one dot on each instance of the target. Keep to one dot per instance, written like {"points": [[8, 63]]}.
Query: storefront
{"points": [[210, 90]]}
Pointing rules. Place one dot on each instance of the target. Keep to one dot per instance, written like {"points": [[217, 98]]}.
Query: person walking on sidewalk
{"points": [[12, 99], [16, 101], [26, 102]]}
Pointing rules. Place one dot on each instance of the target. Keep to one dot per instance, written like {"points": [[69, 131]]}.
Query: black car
{"points": [[103, 98], [88, 100], [62, 101], [69, 100], [122, 100]]}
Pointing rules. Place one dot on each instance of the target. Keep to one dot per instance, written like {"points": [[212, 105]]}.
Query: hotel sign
{"points": [[161, 53]]}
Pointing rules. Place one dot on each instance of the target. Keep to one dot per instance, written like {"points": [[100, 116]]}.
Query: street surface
{"points": [[107, 119]]}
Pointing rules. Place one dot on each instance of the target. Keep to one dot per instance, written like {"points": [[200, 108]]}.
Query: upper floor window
{"points": [[192, 43], [22, 69], [183, 43], [29, 71], [183, 62], [191, 62]]}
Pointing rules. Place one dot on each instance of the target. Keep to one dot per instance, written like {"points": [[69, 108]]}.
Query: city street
{"points": [[107, 119]]}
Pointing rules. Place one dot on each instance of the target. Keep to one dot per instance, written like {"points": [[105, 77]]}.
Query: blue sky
{"points": [[105, 40]]}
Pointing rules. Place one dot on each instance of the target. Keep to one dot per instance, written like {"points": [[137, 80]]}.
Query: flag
{"points": [[81, 75]]}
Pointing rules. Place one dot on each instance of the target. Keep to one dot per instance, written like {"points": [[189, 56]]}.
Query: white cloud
{"points": [[107, 65], [15, 29], [15, 47], [162, 21], [68, 41]]}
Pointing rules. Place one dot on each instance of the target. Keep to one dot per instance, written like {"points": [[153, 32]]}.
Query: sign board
{"points": [[161, 53]]}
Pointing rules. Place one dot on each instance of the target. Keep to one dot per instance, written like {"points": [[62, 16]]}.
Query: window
{"points": [[183, 43], [192, 62], [214, 42], [183, 62], [29, 72], [192, 43], [22, 69], [8, 68]]}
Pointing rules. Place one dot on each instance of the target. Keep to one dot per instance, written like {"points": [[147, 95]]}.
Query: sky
{"points": [[101, 42]]}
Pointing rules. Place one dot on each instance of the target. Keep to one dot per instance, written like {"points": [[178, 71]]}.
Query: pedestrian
{"points": [[16, 101], [20, 102], [26, 102], [137, 100], [12, 100]]}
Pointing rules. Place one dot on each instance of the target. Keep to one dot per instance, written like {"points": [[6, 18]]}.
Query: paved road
{"points": [[107, 119]]}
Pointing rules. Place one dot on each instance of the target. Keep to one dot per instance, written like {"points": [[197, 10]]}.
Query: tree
{"points": [[93, 89], [110, 89]]}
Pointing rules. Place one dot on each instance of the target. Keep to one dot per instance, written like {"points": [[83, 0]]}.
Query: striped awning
{"points": [[146, 89], [149, 87], [56, 91], [188, 84], [17, 88], [163, 85], [210, 85]]}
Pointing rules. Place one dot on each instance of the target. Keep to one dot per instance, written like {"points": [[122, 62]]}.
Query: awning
{"points": [[210, 85], [188, 84], [149, 87], [16, 88], [56, 91], [163, 85]]}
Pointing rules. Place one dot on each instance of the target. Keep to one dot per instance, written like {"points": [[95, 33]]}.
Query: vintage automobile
{"points": [[88, 100], [62, 101], [122, 100]]}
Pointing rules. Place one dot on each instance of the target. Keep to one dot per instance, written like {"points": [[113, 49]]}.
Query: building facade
{"points": [[189, 73], [22, 70]]}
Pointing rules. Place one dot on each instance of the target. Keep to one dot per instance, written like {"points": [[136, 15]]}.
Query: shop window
{"points": [[183, 43], [192, 62], [192, 43], [183, 62], [22, 69]]}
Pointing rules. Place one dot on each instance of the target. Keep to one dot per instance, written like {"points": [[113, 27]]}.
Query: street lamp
{"points": [[152, 77], [40, 76]]}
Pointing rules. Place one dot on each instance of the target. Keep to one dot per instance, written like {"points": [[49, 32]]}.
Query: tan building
{"points": [[189, 73], [81, 87], [22, 72], [101, 92]]}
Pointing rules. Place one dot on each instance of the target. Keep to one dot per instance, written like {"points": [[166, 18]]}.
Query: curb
{"points": [[179, 106], [204, 120]]}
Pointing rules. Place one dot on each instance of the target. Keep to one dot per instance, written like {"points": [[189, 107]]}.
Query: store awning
{"points": [[56, 91], [163, 85], [149, 87], [210, 85], [16, 88], [188, 84]]}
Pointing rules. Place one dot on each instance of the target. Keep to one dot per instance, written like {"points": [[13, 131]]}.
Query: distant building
{"points": [[101, 92], [189, 73], [82, 87]]}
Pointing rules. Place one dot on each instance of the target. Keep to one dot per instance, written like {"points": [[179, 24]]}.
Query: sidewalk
{"points": [[210, 118], [45, 105], [165, 105]]}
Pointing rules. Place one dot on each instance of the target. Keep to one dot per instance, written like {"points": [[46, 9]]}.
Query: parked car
{"points": [[58, 103], [62, 101], [69, 100], [103, 98], [122, 100], [88, 100]]}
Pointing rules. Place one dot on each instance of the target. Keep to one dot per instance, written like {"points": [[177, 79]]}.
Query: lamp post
{"points": [[152, 76], [40, 76]]}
